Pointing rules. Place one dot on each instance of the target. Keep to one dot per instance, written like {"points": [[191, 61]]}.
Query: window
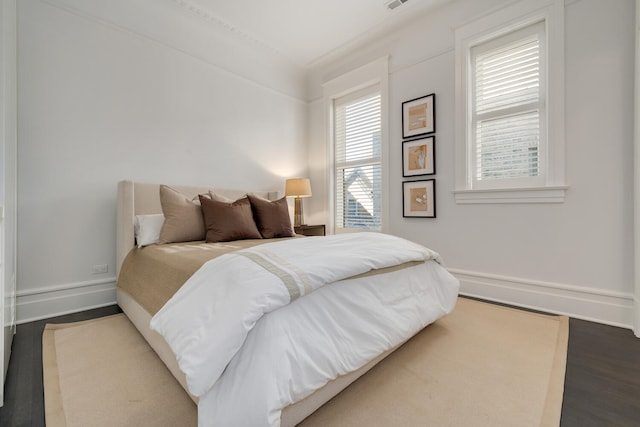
{"points": [[507, 110], [358, 160], [510, 106], [355, 105]]}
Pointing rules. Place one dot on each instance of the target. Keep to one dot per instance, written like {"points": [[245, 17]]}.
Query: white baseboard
{"points": [[37, 304], [596, 305]]}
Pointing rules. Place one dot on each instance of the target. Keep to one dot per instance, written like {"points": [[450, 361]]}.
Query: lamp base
{"points": [[298, 218]]}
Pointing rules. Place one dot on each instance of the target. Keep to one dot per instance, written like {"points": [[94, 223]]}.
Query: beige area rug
{"points": [[102, 372], [484, 365]]}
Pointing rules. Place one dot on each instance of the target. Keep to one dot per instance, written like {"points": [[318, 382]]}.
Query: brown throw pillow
{"points": [[228, 221], [183, 218], [272, 218]]}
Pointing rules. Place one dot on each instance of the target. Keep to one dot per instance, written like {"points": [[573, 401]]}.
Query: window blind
{"points": [[507, 106], [358, 168]]}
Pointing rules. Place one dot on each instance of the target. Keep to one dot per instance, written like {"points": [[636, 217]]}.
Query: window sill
{"points": [[512, 195]]}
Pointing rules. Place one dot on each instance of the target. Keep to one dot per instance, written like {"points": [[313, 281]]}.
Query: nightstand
{"points": [[310, 230]]}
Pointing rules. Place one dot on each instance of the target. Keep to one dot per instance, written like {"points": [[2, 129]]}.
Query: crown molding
{"points": [[239, 33]]}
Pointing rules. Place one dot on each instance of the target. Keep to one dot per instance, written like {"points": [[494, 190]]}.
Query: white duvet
{"points": [[259, 329]]}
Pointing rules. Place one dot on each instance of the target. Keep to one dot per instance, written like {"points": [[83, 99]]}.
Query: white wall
{"points": [[132, 92], [574, 257], [8, 148]]}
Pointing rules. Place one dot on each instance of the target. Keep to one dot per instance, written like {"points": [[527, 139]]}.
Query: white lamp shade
{"points": [[298, 187]]}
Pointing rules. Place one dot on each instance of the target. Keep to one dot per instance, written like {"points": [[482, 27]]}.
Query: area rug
{"points": [[103, 373], [483, 365]]}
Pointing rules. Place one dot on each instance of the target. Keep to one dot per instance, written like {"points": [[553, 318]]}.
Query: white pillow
{"points": [[147, 229]]}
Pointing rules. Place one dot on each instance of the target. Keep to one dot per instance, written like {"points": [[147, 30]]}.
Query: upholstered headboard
{"points": [[135, 198]]}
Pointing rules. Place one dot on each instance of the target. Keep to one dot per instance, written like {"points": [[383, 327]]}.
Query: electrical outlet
{"points": [[99, 269]]}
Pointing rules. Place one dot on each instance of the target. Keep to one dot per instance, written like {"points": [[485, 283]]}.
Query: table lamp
{"points": [[298, 188]]}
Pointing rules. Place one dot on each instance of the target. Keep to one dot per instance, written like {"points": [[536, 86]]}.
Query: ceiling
{"points": [[308, 32]]}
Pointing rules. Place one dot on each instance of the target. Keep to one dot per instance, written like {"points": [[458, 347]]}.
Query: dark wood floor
{"points": [[602, 384]]}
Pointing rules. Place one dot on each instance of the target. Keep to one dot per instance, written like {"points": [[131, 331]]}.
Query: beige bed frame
{"points": [[142, 199]]}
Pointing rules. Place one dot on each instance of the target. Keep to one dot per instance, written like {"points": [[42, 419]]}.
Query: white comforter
{"points": [[250, 346]]}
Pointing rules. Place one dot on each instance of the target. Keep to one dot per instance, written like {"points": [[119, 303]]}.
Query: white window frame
{"points": [[550, 188], [343, 214], [373, 73]]}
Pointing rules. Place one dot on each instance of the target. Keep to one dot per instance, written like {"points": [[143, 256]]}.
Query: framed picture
{"points": [[419, 199], [419, 116], [419, 156]]}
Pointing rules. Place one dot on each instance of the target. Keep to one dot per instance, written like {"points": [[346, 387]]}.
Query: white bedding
{"points": [[275, 347]]}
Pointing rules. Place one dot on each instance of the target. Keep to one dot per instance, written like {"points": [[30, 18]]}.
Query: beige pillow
{"points": [[183, 217], [219, 198], [272, 218], [228, 221]]}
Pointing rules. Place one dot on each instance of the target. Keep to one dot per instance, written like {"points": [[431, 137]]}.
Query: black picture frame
{"points": [[419, 198], [419, 116], [419, 156]]}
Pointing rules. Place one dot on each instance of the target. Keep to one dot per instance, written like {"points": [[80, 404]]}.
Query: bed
{"points": [[314, 328]]}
